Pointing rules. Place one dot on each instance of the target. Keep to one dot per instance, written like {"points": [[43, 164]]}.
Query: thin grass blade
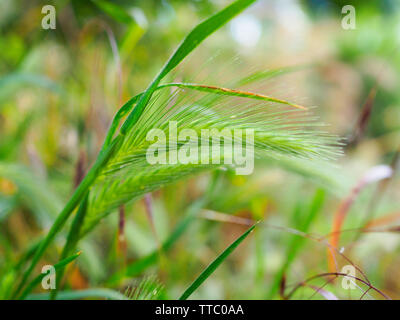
{"points": [[214, 265], [39, 278]]}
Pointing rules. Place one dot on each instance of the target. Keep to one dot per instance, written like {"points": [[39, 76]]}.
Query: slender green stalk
{"points": [[194, 38], [295, 243], [39, 278], [27, 255], [72, 241], [69, 208], [140, 265], [214, 265]]}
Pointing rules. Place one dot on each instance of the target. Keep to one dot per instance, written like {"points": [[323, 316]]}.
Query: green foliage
{"points": [[33, 191], [11, 82], [214, 265], [59, 89], [194, 38], [303, 224], [128, 174], [58, 266]]}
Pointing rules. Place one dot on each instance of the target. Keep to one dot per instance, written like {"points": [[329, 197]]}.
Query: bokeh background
{"points": [[60, 88]]}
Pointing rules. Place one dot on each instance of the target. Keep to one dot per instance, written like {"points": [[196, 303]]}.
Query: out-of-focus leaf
{"points": [[7, 204], [296, 242], [33, 192], [115, 11], [10, 82]]}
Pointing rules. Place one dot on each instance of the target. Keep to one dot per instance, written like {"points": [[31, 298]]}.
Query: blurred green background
{"points": [[60, 88]]}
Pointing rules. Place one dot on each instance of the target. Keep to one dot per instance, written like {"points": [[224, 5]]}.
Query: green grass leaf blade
{"points": [[72, 240], [214, 265], [68, 209], [192, 40], [114, 11], [122, 112], [296, 242], [28, 254], [39, 278], [128, 106], [315, 208], [10, 82], [230, 92], [140, 265], [202, 31]]}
